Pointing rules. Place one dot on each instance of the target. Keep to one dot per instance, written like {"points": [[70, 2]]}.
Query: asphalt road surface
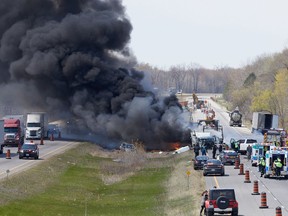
{"points": [[276, 190], [15, 165]]}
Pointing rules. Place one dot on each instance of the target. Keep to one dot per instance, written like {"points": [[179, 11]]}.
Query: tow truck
{"points": [[271, 156]]}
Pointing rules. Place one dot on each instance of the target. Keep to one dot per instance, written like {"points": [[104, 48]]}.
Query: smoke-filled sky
{"points": [[71, 58]]}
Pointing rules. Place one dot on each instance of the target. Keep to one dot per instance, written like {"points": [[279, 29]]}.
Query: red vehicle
{"points": [[13, 131], [221, 201]]}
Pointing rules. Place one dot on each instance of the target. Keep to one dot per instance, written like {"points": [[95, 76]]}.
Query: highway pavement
{"points": [[249, 205], [16, 165]]}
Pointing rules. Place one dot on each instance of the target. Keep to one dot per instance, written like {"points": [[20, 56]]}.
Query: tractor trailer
{"points": [[13, 130], [36, 125]]}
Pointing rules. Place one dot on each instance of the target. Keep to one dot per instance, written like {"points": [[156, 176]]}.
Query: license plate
{"points": [[232, 156], [27, 155], [212, 169], [202, 162]]}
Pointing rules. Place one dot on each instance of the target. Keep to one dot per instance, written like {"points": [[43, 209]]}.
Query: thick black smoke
{"points": [[70, 58]]}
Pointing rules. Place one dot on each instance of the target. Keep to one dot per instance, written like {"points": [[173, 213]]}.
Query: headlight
{"points": [[21, 151]]}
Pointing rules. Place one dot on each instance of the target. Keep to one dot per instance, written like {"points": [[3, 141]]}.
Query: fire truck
{"points": [[271, 156]]}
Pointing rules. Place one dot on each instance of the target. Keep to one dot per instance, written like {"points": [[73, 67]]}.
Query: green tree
{"points": [[281, 95]]}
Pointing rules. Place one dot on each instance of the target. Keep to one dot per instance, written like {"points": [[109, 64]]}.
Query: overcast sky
{"points": [[211, 33]]}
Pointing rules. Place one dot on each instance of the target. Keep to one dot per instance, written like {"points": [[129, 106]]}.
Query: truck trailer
{"points": [[36, 125], [263, 121], [13, 130]]}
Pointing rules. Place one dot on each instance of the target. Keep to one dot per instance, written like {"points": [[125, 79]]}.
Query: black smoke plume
{"points": [[71, 59]]}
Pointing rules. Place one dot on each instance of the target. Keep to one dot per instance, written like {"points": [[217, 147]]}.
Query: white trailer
{"points": [[263, 121], [36, 125]]}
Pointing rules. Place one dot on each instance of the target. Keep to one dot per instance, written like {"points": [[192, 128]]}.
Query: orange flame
{"points": [[175, 146]]}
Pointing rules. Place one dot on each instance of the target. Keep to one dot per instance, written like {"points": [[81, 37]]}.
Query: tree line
{"points": [[261, 85]]}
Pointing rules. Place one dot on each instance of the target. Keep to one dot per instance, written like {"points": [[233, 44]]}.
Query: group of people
{"points": [[204, 150], [277, 166]]}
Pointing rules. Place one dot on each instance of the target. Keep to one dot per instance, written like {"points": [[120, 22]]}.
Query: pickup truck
{"points": [[243, 144]]}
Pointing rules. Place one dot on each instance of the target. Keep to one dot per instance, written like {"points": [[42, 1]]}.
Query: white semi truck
{"points": [[36, 125]]}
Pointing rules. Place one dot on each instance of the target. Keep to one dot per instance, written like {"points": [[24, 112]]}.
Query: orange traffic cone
{"points": [[255, 188], [278, 211], [263, 200], [41, 141], [247, 177], [8, 156]]}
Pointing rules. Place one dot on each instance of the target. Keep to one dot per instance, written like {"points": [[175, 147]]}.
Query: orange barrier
{"points": [[278, 211], [41, 141], [237, 162], [8, 155], [247, 177], [255, 188], [241, 171], [263, 201]]}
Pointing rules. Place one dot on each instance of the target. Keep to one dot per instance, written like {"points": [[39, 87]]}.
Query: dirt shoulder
{"points": [[183, 192]]}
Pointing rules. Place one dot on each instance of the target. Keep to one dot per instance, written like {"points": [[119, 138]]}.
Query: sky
{"points": [[209, 33]]}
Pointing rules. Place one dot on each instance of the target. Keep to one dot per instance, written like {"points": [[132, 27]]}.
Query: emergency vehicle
{"points": [[259, 150], [271, 156]]}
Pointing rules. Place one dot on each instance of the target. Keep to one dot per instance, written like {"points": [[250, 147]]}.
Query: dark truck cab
{"points": [[221, 201]]}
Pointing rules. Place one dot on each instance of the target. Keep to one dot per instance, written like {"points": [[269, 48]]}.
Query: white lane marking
{"points": [[31, 161]]}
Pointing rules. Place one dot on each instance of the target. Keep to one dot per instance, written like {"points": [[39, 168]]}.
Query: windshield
{"points": [[28, 146], [231, 153], [10, 130], [33, 125]]}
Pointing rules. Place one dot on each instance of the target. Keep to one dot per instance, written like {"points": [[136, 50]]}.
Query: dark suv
{"points": [[221, 201], [29, 150]]}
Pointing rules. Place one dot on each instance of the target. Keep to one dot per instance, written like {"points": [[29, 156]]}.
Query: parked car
{"points": [[213, 166], [228, 156], [221, 201], [199, 161], [127, 147], [29, 150]]}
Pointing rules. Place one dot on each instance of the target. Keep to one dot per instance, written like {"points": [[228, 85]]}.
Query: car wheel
{"points": [[222, 202], [205, 174], [20, 157], [234, 213]]}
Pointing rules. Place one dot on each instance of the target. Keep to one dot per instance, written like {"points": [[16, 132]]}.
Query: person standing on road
{"points": [[249, 152], [278, 166], [220, 149], [236, 146], [204, 198], [214, 151], [262, 165], [196, 150], [203, 150]]}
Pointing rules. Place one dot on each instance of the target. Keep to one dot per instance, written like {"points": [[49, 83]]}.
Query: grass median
{"points": [[88, 180]]}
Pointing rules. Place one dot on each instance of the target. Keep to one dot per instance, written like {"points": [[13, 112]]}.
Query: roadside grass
{"points": [[88, 180]]}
